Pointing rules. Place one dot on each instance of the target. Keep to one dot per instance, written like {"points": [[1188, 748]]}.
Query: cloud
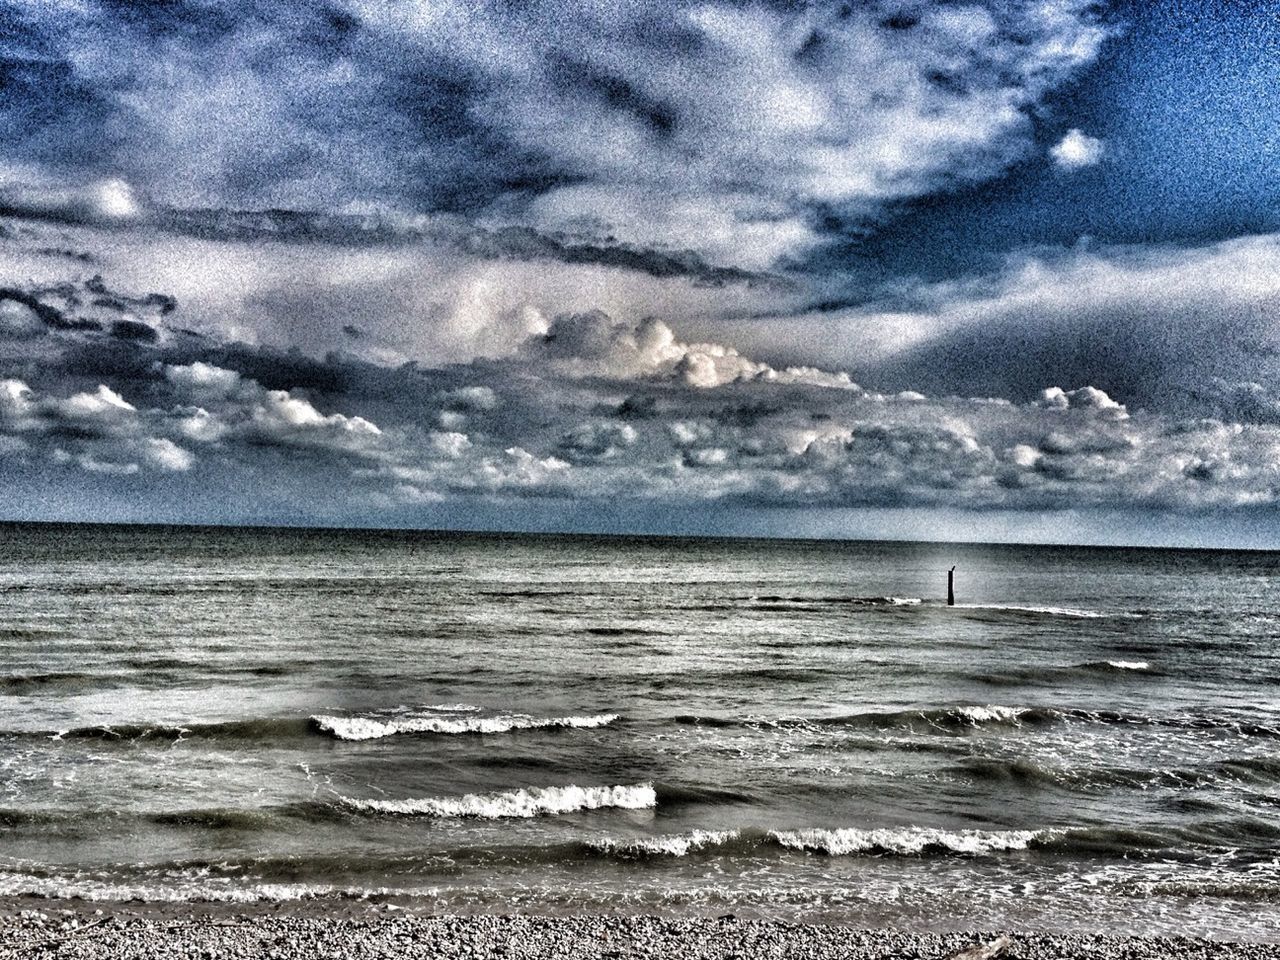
{"points": [[713, 127], [167, 455], [595, 344], [602, 411], [283, 418], [422, 296], [98, 431], [1132, 321], [105, 202], [1077, 150], [115, 204], [202, 380]]}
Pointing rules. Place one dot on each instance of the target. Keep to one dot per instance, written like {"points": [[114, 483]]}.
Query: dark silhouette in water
{"points": [[951, 587]]}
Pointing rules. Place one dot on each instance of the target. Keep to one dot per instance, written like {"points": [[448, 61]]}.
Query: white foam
{"points": [[452, 708], [1129, 664], [532, 802], [673, 845], [905, 601], [990, 714], [908, 841], [372, 728], [1050, 611], [184, 886]]}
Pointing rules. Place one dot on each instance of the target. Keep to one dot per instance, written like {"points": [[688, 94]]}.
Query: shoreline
{"points": [[33, 926]]}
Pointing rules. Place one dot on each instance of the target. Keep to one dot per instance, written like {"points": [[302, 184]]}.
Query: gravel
{"points": [[127, 931]]}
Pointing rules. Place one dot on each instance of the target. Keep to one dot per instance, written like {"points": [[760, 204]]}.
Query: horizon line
{"points": [[268, 526]]}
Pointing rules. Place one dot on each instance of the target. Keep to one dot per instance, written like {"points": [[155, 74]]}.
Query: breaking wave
{"points": [[373, 728], [531, 802], [910, 841], [671, 845]]}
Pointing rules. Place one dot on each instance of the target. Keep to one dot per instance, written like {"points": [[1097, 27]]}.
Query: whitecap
{"points": [[990, 714], [672, 845], [530, 802], [372, 728], [908, 841]]}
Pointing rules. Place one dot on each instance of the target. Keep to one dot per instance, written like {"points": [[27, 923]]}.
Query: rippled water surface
{"points": [[1089, 740]]}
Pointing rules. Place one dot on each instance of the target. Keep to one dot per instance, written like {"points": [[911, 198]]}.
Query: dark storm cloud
{"points": [[1156, 327], [114, 204]]}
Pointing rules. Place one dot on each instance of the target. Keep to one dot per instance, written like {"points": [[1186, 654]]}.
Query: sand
{"points": [[70, 929]]}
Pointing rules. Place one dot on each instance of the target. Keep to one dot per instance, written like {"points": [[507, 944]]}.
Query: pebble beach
{"points": [[152, 932]]}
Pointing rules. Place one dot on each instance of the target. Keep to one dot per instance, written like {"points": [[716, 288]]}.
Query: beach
{"points": [[353, 932]]}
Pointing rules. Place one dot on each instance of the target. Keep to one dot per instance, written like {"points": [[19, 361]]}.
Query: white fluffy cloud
{"points": [[594, 344], [97, 430], [1077, 149], [101, 432]]}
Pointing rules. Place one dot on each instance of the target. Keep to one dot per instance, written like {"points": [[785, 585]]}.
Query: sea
{"points": [[1087, 741]]}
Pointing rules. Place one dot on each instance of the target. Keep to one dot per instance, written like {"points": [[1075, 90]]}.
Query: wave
{"points": [[929, 718], [624, 632], [441, 719], [372, 728], [779, 602], [71, 820], [1137, 666], [673, 795], [257, 728], [963, 719], [1076, 613], [855, 601], [921, 842], [779, 673], [18, 684], [526, 803], [671, 845], [1018, 676], [910, 841]]}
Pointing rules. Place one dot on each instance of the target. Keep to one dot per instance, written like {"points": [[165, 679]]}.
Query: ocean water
{"points": [[1089, 740]]}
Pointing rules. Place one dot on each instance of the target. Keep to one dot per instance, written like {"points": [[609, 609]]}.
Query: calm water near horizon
{"points": [[1089, 741]]}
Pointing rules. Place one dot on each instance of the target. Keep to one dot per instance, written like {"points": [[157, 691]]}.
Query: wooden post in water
{"points": [[951, 587]]}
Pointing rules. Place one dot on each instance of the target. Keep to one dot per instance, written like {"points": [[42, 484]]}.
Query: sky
{"points": [[982, 270]]}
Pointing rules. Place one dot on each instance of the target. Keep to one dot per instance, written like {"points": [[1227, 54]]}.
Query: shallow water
{"points": [[1090, 740]]}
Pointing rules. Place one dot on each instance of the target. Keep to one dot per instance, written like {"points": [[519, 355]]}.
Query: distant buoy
{"points": [[951, 587]]}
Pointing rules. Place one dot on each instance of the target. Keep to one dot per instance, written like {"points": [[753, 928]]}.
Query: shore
{"points": [[125, 931]]}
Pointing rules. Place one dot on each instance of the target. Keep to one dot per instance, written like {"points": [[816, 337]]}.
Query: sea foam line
{"points": [[1075, 612], [371, 728], [531, 802]]}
